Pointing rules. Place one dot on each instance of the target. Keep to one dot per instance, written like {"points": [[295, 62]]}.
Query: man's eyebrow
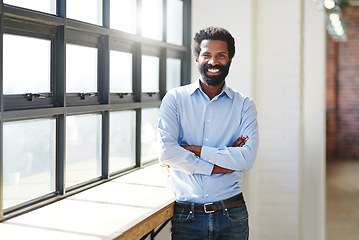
{"points": [[216, 53]]}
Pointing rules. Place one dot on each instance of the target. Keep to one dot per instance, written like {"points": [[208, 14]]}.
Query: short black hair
{"points": [[213, 33]]}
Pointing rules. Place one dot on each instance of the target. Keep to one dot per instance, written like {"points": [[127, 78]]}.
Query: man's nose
{"points": [[213, 61]]}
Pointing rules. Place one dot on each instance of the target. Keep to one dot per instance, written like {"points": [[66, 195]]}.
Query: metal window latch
{"points": [[31, 96], [121, 95], [84, 95]]}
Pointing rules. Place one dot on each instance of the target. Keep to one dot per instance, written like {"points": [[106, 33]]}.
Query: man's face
{"points": [[213, 61]]}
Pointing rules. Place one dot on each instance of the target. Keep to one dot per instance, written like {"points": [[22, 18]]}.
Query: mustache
{"points": [[207, 66]]}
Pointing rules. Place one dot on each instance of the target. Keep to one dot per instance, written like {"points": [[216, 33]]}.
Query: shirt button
{"points": [[205, 158], [206, 195], [208, 120], [206, 139]]}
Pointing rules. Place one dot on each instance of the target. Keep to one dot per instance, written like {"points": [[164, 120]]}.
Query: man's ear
{"points": [[196, 59]]}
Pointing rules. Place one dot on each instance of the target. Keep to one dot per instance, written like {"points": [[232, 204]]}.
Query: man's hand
{"points": [[195, 149], [241, 141], [218, 169]]}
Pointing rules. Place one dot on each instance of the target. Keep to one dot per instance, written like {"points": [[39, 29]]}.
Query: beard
{"points": [[213, 80]]}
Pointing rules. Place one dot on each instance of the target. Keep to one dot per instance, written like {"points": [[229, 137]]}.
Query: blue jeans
{"points": [[231, 224]]}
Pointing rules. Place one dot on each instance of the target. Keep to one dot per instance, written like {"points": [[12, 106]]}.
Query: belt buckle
{"points": [[205, 208]]}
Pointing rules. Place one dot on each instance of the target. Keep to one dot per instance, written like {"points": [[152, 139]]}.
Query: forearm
{"points": [[216, 169], [178, 158], [194, 149], [234, 158]]}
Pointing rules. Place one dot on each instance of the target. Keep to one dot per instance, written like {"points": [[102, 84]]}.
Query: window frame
{"points": [[58, 104]]}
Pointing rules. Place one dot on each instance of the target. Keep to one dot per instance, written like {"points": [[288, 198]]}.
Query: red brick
{"points": [[343, 90]]}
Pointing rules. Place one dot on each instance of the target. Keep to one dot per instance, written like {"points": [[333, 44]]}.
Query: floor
{"points": [[342, 200]]}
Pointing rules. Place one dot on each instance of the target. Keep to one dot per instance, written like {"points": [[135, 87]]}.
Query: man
{"points": [[208, 136]]}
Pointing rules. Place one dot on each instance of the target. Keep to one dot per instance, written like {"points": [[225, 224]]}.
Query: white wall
{"points": [[280, 63], [313, 125], [277, 64]]}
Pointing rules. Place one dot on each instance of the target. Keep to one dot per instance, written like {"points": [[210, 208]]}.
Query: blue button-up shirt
{"points": [[189, 117]]}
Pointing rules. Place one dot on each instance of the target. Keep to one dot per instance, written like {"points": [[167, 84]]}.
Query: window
{"points": [[48, 6], [21, 73], [120, 72], [173, 73], [122, 140], [150, 74], [81, 69], [152, 19], [82, 85], [148, 134], [92, 14], [123, 15], [175, 21], [83, 148], [29, 160]]}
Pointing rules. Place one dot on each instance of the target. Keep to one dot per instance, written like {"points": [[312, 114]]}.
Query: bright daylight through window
{"points": [[82, 85]]}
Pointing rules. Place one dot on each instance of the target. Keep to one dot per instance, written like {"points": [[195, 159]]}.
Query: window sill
{"points": [[125, 208]]}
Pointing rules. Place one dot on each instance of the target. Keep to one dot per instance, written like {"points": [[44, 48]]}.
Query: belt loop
{"points": [[224, 209], [192, 209]]}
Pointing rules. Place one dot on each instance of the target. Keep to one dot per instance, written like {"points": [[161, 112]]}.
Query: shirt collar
{"points": [[197, 86]]}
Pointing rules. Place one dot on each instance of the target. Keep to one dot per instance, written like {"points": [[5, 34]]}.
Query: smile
{"points": [[213, 70]]}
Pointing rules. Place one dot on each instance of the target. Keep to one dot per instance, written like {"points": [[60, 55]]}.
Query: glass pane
{"points": [[26, 64], [29, 160], [120, 72], [48, 6], [83, 148], [85, 10], [149, 145], [81, 69], [173, 78], [122, 140], [152, 19], [175, 21], [150, 74], [123, 15]]}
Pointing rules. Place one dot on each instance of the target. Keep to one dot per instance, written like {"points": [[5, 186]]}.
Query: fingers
{"points": [[241, 141]]}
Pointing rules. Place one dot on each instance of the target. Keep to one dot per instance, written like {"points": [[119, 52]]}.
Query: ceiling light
{"points": [[336, 23], [329, 4]]}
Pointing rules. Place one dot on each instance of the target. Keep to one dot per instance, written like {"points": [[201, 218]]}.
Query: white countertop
{"points": [[103, 212]]}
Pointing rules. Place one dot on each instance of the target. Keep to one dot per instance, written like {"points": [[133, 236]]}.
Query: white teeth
{"points": [[213, 70]]}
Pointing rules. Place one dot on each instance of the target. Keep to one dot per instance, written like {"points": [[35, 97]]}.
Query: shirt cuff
{"points": [[204, 168], [208, 154]]}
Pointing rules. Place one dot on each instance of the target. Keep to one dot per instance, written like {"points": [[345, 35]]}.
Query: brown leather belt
{"points": [[236, 201]]}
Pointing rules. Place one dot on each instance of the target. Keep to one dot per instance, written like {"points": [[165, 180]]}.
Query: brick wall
{"points": [[343, 91]]}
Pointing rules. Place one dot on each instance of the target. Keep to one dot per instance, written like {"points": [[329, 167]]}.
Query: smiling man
{"points": [[208, 136]]}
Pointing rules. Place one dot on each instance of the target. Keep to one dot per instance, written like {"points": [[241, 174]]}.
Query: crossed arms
{"points": [[217, 169], [206, 159]]}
